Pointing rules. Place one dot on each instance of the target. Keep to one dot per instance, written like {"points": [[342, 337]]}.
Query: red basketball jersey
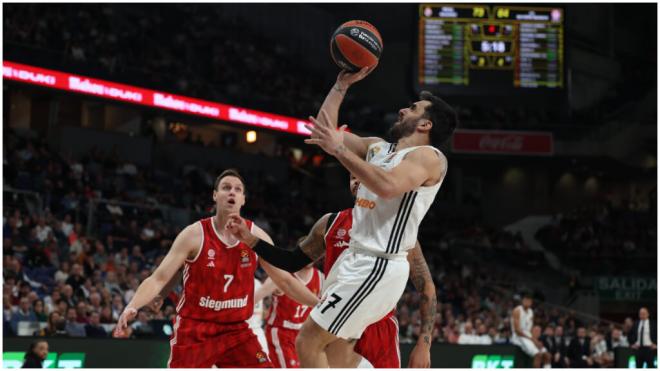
{"points": [[337, 237], [218, 284], [288, 313]]}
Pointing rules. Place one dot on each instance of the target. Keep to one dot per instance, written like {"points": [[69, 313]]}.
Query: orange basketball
{"points": [[356, 44]]}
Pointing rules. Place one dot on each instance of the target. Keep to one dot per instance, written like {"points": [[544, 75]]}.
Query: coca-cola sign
{"points": [[503, 142]]}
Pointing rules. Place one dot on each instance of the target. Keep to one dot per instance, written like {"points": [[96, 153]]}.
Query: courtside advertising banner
{"points": [[503, 142], [152, 98]]}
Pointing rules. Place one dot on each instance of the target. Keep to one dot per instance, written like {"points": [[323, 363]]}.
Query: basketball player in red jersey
{"points": [[211, 327], [379, 343], [286, 317]]}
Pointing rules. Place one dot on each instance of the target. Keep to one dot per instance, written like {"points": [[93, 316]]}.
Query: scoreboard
{"points": [[490, 46]]}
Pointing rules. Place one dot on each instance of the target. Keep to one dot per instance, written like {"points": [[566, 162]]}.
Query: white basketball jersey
{"points": [[526, 321], [389, 226]]}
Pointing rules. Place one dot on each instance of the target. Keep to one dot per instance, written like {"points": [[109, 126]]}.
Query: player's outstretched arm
{"points": [[420, 275], [333, 101], [183, 246], [310, 249], [285, 281], [414, 170]]}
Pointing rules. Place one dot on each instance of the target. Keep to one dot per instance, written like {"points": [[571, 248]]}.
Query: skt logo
{"points": [[633, 364], [492, 361], [65, 360], [363, 202]]}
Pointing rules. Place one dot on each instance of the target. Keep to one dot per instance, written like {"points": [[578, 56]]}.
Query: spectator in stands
{"points": [[81, 312], [72, 327], [24, 313], [36, 354], [468, 335], [643, 338], [615, 339], [560, 359], [50, 301], [68, 295], [7, 313], [94, 329], [39, 310], [117, 306], [106, 315], [599, 352], [95, 302], [579, 352], [122, 258], [628, 324], [76, 279], [43, 231], [550, 345], [66, 227], [483, 336], [56, 326]]}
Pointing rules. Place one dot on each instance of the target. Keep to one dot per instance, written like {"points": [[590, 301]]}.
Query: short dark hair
{"points": [[526, 294], [442, 115], [226, 173], [33, 345]]}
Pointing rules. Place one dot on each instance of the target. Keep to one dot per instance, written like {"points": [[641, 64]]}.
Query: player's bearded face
{"points": [[230, 194], [403, 128]]}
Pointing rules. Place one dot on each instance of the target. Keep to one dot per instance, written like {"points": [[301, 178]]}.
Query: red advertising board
{"points": [[152, 98], [503, 142]]}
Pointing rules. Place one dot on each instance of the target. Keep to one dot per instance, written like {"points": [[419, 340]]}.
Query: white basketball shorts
{"points": [[527, 346], [360, 290]]}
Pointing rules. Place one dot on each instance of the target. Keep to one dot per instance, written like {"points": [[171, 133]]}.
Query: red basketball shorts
{"points": [[199, 344], [379, 343]]}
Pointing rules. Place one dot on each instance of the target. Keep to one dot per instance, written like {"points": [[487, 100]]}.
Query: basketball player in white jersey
{"points": [[522, 321], [395, 193]]}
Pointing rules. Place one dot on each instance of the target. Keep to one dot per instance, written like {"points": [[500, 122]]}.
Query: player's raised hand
{"points": [[122, 324], [237, 227], [325, 135], [346, 79]]}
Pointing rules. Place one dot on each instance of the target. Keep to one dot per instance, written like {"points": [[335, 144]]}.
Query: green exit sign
{"points": [[492, 361], [64, 360]]}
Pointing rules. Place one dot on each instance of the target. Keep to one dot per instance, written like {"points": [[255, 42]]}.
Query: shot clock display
{"points": [[490, 46]]}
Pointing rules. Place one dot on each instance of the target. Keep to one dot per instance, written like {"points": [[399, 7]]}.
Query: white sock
{"points": [[547, 365], [364, 363]]}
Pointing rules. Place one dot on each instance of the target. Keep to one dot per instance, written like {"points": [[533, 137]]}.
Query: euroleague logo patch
{"points": [[341, 232], [354, 31], [245, 259], [373, 152], [261, 357]]}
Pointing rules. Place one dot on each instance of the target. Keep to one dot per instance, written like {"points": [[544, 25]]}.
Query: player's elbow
{"points": [[386, 190], [158, 278]]}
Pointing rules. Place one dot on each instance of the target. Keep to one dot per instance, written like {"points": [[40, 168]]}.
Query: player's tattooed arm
{"points": [[423, 282], [313, 245], [420, 356]]}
